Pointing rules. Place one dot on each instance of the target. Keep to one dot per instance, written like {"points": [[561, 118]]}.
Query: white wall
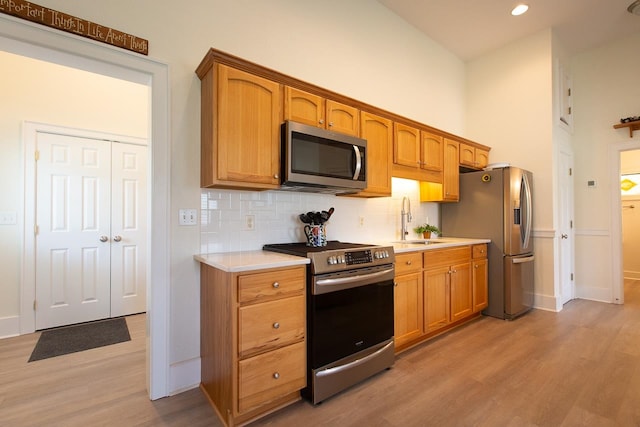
{"points": [[604, 92], [510, 108], [42, 92], [357, 48]]}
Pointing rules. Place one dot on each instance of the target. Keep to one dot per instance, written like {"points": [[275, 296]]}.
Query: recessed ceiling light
{"points": [[519, 9], [634, 7]]}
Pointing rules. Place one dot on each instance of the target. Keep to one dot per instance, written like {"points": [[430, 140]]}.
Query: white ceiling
{"points": [[470, 28]]}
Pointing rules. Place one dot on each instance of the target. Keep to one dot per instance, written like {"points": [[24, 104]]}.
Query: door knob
{"points": [[117, 238], [103, 238], [564, 236]]}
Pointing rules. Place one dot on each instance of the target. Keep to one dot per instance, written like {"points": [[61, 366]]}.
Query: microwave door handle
{"points": [[358, 162]]}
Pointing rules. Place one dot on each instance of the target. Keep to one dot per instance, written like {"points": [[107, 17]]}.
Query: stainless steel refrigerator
{"points": [[497, 204]]}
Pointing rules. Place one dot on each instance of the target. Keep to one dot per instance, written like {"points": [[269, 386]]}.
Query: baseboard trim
{"points": [[9, 326], [184, 376], [595, 294], [547, 303]]}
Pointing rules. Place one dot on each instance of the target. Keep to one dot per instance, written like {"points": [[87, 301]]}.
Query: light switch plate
{"points": [[8, 218], [188, 216]]}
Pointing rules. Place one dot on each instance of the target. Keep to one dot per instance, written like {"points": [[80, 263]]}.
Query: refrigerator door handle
{"points": [[522, 260], [526, 226]]}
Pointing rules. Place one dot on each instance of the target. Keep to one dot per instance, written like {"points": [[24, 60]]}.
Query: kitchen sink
{"points": [[419, 241]]}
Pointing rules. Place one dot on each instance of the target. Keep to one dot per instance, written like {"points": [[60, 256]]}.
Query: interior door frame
{"points": [[616, 216], [28, 39]]}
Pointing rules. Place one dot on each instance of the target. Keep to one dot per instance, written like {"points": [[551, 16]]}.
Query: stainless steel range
{"points": [[349, 313]]}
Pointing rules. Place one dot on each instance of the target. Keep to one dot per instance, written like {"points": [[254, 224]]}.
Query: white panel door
{"points": [[73, 209], [565, 184], [129, 229]]}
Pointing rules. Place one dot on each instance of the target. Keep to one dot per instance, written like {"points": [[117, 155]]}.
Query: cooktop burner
{"points": [[301, 249]]}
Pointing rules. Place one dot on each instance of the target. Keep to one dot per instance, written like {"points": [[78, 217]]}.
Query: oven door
{"points": [[357, 314]]}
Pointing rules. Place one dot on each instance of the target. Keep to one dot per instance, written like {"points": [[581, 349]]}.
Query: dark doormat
{"points": [[71, 339]]}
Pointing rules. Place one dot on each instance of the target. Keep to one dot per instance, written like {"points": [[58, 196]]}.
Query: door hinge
{"points": [[571, 224], [36, 155], [570, 171], [35, 304], [572, 277], [569, 92], [569, 110], [36, 229]]}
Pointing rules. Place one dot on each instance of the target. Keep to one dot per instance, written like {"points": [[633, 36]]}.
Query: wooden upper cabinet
{"points": [[241, 116], [342, 118], [378, 132], [406, 146], [304, 107], [482, 158], [451, 177], [314, 110], [432, 150], [473, 157]]}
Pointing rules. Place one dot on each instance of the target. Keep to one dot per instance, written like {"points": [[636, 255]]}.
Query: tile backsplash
{"points": [[274, 214]]}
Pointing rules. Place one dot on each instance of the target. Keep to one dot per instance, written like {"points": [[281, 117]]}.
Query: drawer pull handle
{"points": [[276, 285], [276, 375], [276, 325]]}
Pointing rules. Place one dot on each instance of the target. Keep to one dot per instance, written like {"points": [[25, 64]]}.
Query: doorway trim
{"points": [[27, 39], [616, 216]]}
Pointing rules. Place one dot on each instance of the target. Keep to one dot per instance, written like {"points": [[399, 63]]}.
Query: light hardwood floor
{"points": [[579, 367]]}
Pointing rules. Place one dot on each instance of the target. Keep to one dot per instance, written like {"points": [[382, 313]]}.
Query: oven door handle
{"points": [[350, 365], [323, 286]]}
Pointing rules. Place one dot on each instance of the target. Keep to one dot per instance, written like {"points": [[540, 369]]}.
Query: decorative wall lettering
{"points": [[71, 24]]}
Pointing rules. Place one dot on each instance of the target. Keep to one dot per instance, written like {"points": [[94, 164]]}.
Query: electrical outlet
{"points": [[250, 222], [8, 218], [188, 216]]}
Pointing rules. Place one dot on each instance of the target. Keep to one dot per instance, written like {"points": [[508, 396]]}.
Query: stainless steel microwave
{"points": [[322, 161]]}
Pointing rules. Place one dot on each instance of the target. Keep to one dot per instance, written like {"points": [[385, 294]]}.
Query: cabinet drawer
{"points": [[270, 325], [270, 284], [440, 257], [479, 251], [408, 263], [271, 375]]}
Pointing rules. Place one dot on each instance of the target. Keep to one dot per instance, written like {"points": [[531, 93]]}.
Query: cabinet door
{"points": [[461, 291], [451, 177], [342, 118], [406, 146], [378, 132], [482, 158], [304, 107], [248, 129], [407, 296], [467, 155], [432, 151], [480, 282], [436, 298]]}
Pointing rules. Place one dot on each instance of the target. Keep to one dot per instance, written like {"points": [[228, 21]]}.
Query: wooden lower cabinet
{"points": [[407, 297], [446, 297], [480, 274], [252, 340]]}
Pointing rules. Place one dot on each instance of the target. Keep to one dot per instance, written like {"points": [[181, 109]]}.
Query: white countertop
{"points": [[232, 262]]}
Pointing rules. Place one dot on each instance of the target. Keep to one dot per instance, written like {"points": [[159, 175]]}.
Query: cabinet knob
{"points": [[476, 266], [321, 121], [276, 285], [409, 262], [330, 124], [276, 325], [276, 176], [276, 375]]}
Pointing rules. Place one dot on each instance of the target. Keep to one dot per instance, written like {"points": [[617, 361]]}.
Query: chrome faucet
{"points": [[406, 217]]}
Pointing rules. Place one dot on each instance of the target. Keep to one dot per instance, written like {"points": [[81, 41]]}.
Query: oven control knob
{"points": [[340, 259], [331, 260]]}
